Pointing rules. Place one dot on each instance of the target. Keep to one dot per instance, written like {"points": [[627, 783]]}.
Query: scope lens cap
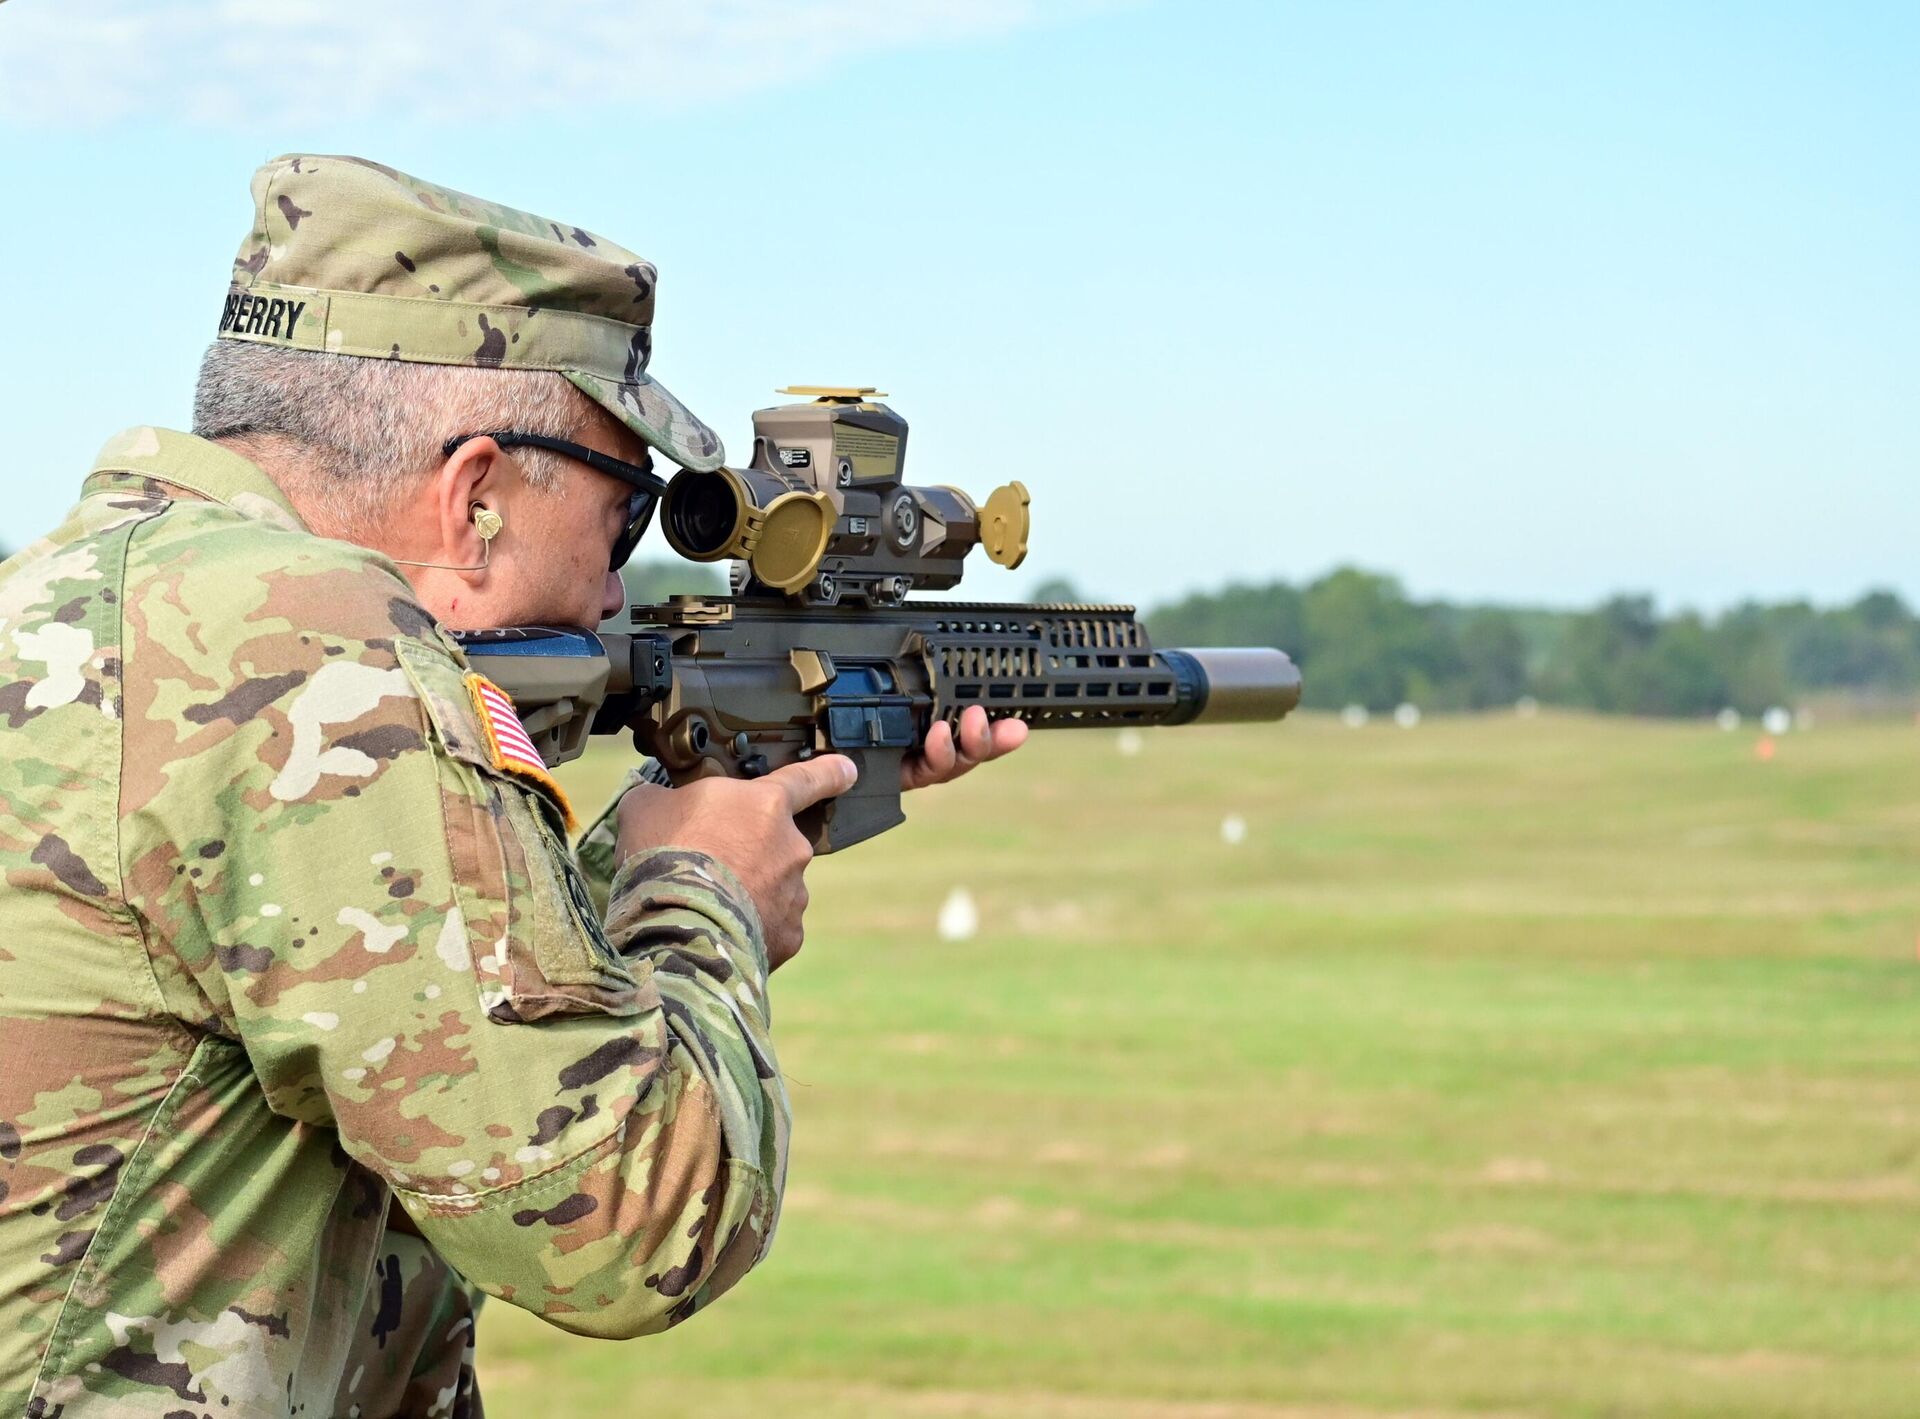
{"points": [[793, 540], [1005, 523]]}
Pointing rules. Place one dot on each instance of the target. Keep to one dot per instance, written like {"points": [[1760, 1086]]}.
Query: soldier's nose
{"points": [[613, 599]]}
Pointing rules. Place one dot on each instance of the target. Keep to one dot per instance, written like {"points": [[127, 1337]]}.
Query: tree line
{"points": [[1360, 639]]}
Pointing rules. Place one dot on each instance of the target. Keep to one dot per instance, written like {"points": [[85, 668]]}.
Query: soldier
{"points": [[312, 1029]]}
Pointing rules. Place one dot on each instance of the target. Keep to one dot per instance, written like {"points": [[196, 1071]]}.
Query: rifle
{"points": [[818, 650]]}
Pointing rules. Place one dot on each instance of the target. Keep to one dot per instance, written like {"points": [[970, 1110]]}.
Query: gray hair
{"points": [[372, 428]]}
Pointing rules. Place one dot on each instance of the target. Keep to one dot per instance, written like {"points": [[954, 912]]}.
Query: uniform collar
{"points": [[195, 466]]}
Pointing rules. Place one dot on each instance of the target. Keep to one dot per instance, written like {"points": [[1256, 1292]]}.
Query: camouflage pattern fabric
{"points": [[413, 1350], [279, 947], [354, 258]]}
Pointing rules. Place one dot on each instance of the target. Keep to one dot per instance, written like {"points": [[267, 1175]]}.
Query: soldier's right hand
{"points": [[748, 826]]}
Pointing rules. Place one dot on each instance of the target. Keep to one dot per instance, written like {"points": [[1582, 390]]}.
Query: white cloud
{"points": [[218, 62]]}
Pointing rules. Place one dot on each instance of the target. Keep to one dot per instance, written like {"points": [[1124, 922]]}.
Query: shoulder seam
{"points": [[146, 978]]}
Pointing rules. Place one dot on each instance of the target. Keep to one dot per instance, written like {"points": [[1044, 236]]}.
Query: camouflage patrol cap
{"points": [[354, 258]]}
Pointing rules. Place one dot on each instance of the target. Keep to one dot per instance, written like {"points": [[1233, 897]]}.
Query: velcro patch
{"points": [[508, 744]]}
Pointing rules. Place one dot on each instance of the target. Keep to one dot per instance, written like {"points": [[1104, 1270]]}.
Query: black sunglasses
{"points": [[646, 484]]}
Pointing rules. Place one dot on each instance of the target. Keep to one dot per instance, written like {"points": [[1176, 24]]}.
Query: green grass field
{"points": [[1508, 1067]]}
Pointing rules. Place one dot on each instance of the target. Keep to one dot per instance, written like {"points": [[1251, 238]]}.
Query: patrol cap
{"points": [[353, 258]]}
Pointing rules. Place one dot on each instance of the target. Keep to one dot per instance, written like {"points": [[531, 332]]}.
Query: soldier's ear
{"points": [[467, 480]]}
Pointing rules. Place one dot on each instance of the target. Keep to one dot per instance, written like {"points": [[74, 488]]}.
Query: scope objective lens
{"points": [[703, 512]]}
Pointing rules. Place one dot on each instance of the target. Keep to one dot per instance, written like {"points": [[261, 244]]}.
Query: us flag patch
{"points": [[507, 741]]}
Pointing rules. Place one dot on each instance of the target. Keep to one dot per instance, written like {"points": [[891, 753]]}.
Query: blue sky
{"points": [[1524, 303]]}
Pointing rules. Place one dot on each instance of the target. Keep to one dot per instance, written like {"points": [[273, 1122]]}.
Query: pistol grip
{"points": [[864, 811]]}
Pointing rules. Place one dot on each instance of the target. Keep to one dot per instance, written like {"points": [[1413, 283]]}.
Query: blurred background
{"points": [[1523, 1028]]}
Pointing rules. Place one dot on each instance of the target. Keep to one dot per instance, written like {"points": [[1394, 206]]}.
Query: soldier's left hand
{"points": [[941, 759]]}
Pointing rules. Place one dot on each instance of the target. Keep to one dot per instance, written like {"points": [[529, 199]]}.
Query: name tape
{"points": [[272, 317]]}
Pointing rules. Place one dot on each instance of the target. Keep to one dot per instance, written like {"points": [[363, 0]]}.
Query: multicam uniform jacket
{"points": [[281, 943]]}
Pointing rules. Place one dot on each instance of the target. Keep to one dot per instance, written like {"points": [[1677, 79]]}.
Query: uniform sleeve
{"points": [[594, 849], [583, 1118]]}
